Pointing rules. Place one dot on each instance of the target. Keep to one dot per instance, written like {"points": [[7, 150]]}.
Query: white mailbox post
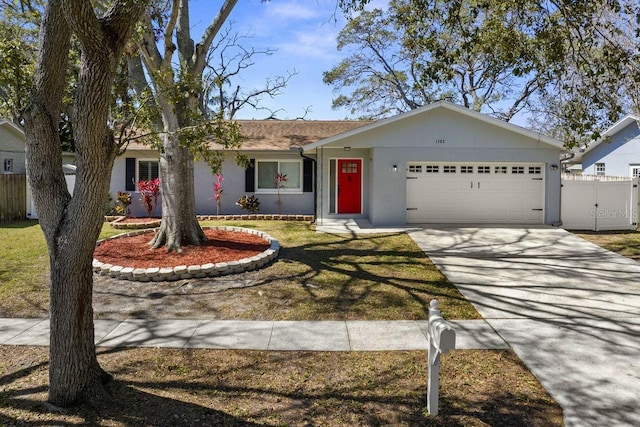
{"points": [[442, 339]]}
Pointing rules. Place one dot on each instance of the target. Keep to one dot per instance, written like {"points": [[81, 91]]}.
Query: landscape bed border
{"points": [[116, 220], [161, 274]]}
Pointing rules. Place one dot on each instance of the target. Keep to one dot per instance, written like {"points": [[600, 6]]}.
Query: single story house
{"points": [[270, 145], [441, 163], [617, 153], [12, 148]]}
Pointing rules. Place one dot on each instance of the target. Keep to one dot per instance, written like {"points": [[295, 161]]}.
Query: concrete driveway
{"points": [[568, 308]]}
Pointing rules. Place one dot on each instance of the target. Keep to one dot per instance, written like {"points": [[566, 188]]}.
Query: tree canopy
{"points": [[572, 67]]}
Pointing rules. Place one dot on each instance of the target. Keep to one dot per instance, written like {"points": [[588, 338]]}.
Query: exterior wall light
{"points": [[554, 167], [347, 148], [395, 168]]}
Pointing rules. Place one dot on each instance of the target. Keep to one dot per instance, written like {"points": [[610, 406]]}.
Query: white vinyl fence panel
{"points": [[599, 203]]}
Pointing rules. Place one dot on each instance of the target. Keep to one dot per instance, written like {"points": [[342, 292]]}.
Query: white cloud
{"points": [[317, 43], [292, 10]]}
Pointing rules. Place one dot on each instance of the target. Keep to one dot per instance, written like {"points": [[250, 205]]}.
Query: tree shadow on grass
{"points": [[235, 388]]}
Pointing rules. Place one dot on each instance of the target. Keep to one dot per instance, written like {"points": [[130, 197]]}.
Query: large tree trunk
{"points": [[71, 225], [179, 223]]}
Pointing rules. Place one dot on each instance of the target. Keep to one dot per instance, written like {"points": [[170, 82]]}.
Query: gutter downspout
{"points": [[315, 180]]}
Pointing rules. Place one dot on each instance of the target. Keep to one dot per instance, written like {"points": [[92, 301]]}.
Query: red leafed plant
{"points": [[149, 192], [217, 192]]}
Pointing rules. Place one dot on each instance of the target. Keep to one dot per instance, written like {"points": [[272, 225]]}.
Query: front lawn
{"points": [[625, 243], [316, 277], [173, 387]]}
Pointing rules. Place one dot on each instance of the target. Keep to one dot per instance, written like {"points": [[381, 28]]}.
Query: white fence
{"points": [[599, 203]]}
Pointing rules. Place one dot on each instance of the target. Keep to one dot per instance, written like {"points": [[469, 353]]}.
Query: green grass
{"points": [[317, 276], [340, 276], [24, 270]]}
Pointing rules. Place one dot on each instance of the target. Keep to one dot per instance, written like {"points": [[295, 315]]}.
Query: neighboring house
{"points": [[617, 153], [438, 164], [12, 148]]}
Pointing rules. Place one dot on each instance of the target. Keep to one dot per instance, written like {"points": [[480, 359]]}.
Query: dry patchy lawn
{"points": [[625, 243], [164, 387]]}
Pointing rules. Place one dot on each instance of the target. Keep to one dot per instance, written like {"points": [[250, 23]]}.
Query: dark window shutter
{"points": [[307, 176], [250, 177], [130, 174]]}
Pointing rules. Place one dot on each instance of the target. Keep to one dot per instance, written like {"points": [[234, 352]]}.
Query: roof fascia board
{"points": [[14, 127], [615, 128]]}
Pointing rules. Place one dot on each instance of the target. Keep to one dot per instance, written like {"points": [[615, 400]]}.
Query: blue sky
{"points": [[304, 34]]}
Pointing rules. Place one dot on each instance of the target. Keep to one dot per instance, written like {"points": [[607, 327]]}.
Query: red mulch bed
{"points": [[221, 246]]}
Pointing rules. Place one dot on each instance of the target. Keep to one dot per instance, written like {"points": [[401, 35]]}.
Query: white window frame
{"points": [[632, 169], [600, 169], [7, 165], [288, 190], [138, 161]]}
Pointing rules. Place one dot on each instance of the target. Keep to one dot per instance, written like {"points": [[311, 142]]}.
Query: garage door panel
{"points": [[475, 193]]}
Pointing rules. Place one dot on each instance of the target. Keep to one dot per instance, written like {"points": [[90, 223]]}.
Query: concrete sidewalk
{"points": [[360, 335]]}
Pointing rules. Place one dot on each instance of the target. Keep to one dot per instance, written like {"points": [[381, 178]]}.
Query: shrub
{"points": [[249, 203], [149, 192], [123, 201]]}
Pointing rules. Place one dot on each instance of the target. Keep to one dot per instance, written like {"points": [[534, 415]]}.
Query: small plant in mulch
{"points": [[249, 203], [123, 201], [217, 192], [149, 192], [281, 182]]}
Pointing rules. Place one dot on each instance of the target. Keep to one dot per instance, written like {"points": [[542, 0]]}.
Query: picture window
{"points": [[148, 170], [267, 172]]}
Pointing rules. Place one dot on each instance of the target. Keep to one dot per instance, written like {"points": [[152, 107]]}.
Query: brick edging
{"points": [[156, 274], [115, 221], [253, 217]]}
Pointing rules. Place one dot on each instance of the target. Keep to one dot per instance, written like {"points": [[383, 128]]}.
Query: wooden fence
{"points": [[13, 197]]}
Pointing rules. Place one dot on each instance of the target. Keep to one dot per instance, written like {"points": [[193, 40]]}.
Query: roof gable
{"points": [[617, 127], [538, 137], [7, 124]]}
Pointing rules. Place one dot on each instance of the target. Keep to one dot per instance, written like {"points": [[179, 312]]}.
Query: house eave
{"points": [[615, 128]]}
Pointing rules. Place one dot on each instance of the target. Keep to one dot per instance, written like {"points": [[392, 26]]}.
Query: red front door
{"points": [[349, 186]]}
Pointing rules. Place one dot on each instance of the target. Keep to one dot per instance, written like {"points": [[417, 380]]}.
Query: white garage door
{"points": [[475, 193]]}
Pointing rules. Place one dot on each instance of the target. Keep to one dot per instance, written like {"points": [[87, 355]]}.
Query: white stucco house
{"points": [[617, 153], [441, 163]]}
